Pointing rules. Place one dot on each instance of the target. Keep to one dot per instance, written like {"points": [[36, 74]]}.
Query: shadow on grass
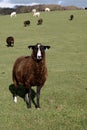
{"points": [[21, 92]]}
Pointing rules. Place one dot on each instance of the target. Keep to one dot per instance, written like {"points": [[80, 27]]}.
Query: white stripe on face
{"points": [[39, 53]]}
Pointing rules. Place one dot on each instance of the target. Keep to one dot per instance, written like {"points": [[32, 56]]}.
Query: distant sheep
{"points": [[10, 41], [13, 14], [47, 9], [40, 21], [36, 14], [26, 23], [31, 71], [71, 17], [33, 10]]}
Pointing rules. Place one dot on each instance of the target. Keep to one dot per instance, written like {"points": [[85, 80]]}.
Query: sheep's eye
{"points": [[35, 48], [42, 47]]}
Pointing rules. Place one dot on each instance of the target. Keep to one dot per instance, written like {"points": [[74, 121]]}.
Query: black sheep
{"points": [[40, 21], [10, 41], [71, 17], [26, 23]]}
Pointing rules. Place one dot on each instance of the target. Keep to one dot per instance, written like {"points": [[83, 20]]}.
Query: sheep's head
{"points": [[38, 50]]}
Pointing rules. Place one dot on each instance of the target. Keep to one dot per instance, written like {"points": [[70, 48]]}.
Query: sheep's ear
{"points": [[30, 47], [47, 47]]}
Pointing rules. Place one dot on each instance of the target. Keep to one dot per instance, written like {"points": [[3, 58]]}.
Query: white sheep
{"points": [[47, 9], [36, 14], [33, 10], [13, 14]]}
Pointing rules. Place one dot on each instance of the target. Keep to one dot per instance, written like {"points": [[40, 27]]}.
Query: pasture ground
{"points": [[64, 96]]}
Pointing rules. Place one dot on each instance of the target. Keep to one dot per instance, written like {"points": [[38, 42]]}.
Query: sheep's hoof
{"points": [[38, 108], [28, 106]]}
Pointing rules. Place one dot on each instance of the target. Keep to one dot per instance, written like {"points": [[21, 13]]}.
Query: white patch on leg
{"points": [[15, 99], [38, 108], [27, 98]]}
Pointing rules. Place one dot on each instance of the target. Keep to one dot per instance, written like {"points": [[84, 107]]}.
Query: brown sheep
{"points": [[31, 71], [26, 23], [40, 21], [10, 41]]}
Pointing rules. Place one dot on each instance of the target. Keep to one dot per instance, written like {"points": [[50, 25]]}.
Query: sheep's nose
{"points": [[39, 57]]}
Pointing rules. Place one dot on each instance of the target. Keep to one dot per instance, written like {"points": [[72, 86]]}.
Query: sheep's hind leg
{"points": [[15, 92], [15, 95]]}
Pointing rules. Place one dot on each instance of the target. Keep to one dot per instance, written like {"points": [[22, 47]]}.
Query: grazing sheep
{"points": [[26, 23], [71, 17], [36, 14], [31, 71], [47, 9], [13, 14], [10, 41], [40, 21], [33, 10]]}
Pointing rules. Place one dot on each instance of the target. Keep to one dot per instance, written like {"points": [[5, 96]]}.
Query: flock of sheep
{"points": [[35, 13], [30, 70], [10, 39]]}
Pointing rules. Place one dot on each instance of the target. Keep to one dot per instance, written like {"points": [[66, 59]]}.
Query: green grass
{"points": [[64, 95]]}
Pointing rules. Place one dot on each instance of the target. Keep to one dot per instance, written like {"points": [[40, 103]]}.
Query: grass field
{"points": [[64, 95]]}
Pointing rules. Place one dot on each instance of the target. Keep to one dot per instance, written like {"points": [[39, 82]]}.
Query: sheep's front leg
{"points": [[38, 96], [28, 97]]}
